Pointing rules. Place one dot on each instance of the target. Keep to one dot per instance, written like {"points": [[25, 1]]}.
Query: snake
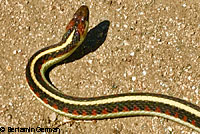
{"points": [[101, 107]]}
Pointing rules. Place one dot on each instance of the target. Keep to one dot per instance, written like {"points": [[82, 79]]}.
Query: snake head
{"points": [[81, 18], [79, 24]]}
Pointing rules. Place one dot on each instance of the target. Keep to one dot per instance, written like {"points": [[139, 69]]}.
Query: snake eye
{"points": [[82, 19], [75, 16]]}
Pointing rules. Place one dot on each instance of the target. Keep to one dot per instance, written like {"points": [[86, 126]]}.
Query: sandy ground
{"points": [[151, 46]]}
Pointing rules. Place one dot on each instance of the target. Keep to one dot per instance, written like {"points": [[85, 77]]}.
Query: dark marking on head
{"points": [[78, 22], [82, 14]]}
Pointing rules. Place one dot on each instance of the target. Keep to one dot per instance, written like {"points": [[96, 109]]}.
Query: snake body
{"points": [[112, 106]]}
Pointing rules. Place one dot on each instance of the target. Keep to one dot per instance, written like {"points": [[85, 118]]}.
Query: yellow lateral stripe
{"points": [[111, 106], [126, 98], [104, 101], [68, 41], [121, 114]]}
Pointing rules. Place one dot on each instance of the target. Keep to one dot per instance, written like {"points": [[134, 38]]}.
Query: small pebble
{"points": [[52, 117]]}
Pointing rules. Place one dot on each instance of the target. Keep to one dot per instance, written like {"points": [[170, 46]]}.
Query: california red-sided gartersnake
{"points": [[112, 106]]}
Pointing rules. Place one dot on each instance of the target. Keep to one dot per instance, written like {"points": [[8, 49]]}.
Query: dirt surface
{"points": [[151, 46]]}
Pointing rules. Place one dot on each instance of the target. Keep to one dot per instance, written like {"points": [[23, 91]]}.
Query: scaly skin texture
{"points": [[113, 106]]}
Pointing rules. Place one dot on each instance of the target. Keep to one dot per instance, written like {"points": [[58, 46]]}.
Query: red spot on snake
{"points": [[158, 109], [193, 122], [104, 111], [45, 100], [31, 88], [147, 108], [136, 108], [167, 112], [37, 94], [65, 110], [115, 110], [125, 109], [84, 113], [75, 112], [55, 106], [185, 118], [94, 112], [176, 115]]}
